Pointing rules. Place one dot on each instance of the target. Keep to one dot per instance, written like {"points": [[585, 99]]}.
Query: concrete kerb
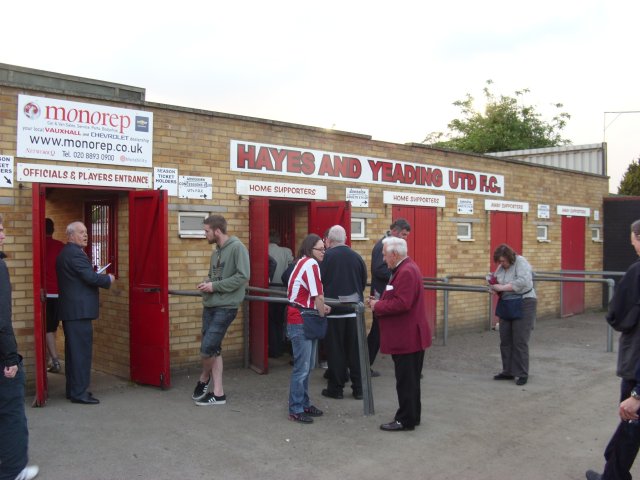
{"points": [[472, 427]]}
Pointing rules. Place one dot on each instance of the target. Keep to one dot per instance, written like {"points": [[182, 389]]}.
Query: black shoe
{"points": [[357, 395], [591, 475], [86, 400], [374, 373], [522, 380], [201, 390], [313, 411], [503, 376], [327, 393], [300, 418], [394, 426]]}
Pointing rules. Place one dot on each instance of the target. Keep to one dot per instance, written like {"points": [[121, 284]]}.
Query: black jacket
{"points": [[8, 346], [343, 273], [627, 294], [78, 285]]}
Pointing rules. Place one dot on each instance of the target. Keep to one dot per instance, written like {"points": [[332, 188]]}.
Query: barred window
{"points": [[100, 219]]}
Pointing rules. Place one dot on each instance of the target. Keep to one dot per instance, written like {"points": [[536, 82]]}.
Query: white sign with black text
{"points": [[544, 211], [195, 187], [465, 206], [6, 171], [166, 179], [359, 197]]}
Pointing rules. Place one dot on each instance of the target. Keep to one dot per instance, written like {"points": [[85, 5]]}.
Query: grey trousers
{"points": [[514, 340]]}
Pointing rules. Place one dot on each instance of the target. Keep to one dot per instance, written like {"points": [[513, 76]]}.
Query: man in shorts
{"points": [[222, 292]]}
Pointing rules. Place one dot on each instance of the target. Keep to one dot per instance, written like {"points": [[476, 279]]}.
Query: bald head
{"points": [[77, 233]]}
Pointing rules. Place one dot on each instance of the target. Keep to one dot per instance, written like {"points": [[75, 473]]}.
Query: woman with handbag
{"points": [[306, 323], [513, 282]]}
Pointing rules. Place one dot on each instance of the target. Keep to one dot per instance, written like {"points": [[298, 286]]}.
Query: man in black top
{"points": [[343, 273], [380, 275], [14, 435]]}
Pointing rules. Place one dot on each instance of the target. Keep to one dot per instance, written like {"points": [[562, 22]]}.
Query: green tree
{"points": [[506, 124], [630, 183]]}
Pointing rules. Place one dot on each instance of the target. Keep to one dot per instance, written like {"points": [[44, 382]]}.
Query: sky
{"points": [[391, 70]]}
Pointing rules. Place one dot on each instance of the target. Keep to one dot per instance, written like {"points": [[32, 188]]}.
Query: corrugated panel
{"points": [[589, 158]]}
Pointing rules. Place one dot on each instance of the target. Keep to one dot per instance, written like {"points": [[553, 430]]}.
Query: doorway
{"points": [[127, 229], [294, 220]]}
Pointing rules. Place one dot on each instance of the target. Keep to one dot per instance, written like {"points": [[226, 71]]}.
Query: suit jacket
{"points": [[78, 285], [401, 312]]}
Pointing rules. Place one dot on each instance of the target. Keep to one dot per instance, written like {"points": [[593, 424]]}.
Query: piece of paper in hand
{"points": [[101, 270]]}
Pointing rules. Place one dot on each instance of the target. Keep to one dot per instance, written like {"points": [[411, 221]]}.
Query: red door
{"points": [[421, 244], [149, 288], [39, 326], [506, 227], [324, 215], [572, 258], [259, 258]]}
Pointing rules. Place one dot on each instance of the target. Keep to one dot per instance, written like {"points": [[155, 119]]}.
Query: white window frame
{"points": [[363, 229], [468, 236], [192, 232], [544, 237], [598, 234]]}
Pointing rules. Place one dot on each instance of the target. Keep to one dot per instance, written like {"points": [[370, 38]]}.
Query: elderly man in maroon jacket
{"points": [[404, 330]]}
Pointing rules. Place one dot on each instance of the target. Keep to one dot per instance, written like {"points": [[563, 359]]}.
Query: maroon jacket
{"points": [[401, 312]]}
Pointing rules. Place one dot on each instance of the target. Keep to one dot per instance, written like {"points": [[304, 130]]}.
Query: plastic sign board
{"points": [[54, 129], [101, 177], [465, 206], [280, 190], [407, 198], [506, 206], [569, 211], [195, 187], [544, 211], [6, 171], [166, 179], [359, 197]]}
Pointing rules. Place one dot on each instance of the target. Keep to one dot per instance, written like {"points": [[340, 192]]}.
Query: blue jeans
{"points": [[304, 354], [14, 436]]}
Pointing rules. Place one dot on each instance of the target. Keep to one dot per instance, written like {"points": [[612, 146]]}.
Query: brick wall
{"points": [[197, 143]]}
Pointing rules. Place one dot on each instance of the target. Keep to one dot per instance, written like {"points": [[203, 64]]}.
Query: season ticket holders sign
{"points": [[53, 129], [251, 158]]}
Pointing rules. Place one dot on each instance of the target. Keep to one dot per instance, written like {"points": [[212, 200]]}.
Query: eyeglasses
{"points": [[321, 249]]}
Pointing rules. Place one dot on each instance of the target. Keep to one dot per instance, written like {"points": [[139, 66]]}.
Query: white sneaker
{"points": [[28, 472]]}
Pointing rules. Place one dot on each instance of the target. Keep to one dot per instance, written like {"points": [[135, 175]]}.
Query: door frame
{"points": [[39, 192]]}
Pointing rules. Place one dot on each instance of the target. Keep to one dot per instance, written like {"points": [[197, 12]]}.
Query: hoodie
{"points": [[229, 272]]}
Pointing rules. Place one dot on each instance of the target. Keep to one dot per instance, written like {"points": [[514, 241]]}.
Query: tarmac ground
{"points": [[473, 428]]}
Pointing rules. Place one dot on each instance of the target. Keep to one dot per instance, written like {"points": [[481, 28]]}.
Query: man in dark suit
{"points": [[78, 306], [404, 330]]}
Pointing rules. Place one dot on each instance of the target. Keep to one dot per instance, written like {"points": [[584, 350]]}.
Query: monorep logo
{"points": [[142, 124], [32, 110]]}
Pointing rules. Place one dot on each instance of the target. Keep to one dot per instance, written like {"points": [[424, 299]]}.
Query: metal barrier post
{"points": [[445, 314], [363, 354], [611, 285]]}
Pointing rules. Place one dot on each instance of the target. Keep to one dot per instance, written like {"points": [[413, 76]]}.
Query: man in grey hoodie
{"points": [[222, 293]]}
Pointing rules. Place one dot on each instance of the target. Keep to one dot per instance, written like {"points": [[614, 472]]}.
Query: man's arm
{"points": [[379, 269]]}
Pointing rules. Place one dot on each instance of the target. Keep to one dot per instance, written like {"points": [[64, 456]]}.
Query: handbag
{"points": [[509, 307], [315, 326]]}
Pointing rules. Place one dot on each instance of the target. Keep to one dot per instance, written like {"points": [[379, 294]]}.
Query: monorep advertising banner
{"points": [[53, 129]]}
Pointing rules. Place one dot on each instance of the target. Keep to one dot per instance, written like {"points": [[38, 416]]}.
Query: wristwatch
{"points": [[635, 394]]}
